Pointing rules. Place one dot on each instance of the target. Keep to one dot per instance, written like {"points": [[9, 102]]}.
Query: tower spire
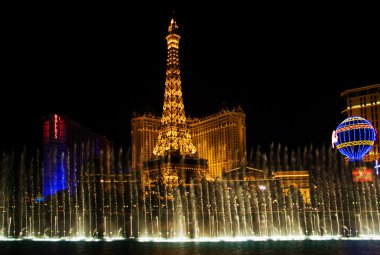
{"points": [[174, 136], [173, 27]]}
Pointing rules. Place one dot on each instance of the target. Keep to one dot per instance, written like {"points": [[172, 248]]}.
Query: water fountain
{"points": [[116, 205]]}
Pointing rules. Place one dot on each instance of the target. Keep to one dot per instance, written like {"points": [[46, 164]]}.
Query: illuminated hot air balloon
{"points": [[354, 137]]}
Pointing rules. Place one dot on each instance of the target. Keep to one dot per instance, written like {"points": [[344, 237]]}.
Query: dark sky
{"points": [[286, 65]]}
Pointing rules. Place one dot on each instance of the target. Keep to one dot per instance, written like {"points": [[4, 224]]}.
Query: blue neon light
{"points": [[54, 177], [356, 136], [40, 199]]}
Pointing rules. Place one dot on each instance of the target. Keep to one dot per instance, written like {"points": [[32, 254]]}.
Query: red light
{"points": [[46, 131], [362, 174], [55, 126]]}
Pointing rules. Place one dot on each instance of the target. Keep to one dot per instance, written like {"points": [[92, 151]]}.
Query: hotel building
{"points": [[68, 149], [365, 102], [220, 138]]}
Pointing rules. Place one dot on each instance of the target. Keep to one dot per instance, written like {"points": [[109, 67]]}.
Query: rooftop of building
{"points": [[223, 110], [361, 89]]}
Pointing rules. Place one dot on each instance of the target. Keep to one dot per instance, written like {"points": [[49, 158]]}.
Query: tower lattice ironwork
{"points": [[174, 136]]}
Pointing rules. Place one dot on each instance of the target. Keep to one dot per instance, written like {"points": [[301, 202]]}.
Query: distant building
{"points": [[365, 102], [221, 139], [296, 179], [144, 133], [68, 148]]}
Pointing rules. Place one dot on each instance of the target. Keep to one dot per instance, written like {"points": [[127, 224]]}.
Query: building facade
{"points": [[144, 133], [68, 148], [365, 102], [298, 179], [221, 139]]}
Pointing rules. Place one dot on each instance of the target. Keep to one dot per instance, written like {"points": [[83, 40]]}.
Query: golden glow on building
{"points": [[144, 133], [297, 179], [221, 139], [365, 102]]}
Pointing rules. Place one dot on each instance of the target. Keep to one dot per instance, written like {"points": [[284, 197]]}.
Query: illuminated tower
{"points": [[175, 159], [174, 136], [220, 138]]}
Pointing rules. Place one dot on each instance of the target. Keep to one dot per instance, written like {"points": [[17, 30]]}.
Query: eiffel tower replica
{"points": [[175, 160]]}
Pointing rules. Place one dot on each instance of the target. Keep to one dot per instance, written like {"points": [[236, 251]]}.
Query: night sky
{"points": [[286, 65]]}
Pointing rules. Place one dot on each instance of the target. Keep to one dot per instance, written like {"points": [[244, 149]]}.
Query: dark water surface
{"points": [[130, 247]]}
